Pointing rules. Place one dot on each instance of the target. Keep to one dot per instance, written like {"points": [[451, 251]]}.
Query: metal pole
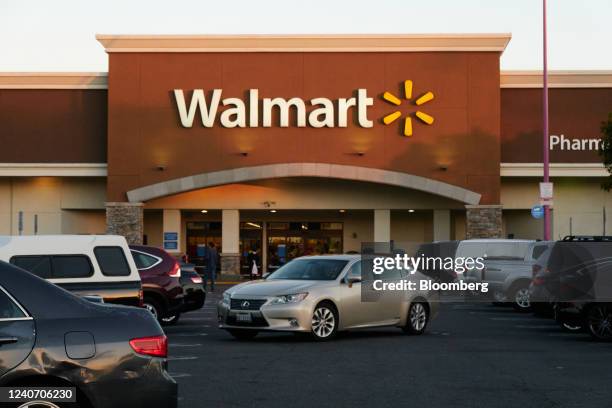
{"points": [[545, 130]]}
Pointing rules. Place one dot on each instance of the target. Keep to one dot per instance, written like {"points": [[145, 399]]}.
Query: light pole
{"points": [[546, 158]]}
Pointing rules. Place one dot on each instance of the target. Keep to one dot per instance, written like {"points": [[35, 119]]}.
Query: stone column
{"points": [[230, 242], [382, 225], [125, 219], [441, 225], [483, 221]]}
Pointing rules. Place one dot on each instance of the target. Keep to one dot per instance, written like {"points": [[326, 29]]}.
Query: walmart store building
{"points": [[295, 145]]}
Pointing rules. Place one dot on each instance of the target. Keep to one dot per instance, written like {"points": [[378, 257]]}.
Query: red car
{"points": [[160, 273]]}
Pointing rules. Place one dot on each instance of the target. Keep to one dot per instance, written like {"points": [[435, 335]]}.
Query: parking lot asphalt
{"points": [[473, 355]]}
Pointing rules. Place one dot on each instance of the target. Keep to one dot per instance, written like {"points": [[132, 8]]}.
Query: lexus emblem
{"points": [[245, 304]]}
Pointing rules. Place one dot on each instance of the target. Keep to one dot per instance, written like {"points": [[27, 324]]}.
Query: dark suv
{"points": [[577, 279], [160, 274]]}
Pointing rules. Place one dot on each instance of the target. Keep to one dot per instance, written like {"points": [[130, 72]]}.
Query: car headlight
{"points": [[284, 299], [226, 298]]}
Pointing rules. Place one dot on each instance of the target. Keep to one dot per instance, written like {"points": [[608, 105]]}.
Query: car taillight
{"points": [[175, 272], [140, 298], [156, 346], [535, 269], [196, 279]]}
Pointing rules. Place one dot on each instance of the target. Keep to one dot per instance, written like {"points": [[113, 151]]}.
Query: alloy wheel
{"points": [[323, 322], [521, 298], [600, 322], [418, 317]]}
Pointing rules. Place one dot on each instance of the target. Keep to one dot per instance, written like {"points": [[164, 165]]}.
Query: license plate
{"points": [[244, 317]]}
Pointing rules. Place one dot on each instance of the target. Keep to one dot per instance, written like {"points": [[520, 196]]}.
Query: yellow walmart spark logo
{"points": [[422, 116]]}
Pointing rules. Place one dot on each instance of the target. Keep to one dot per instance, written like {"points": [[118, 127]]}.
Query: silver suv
{"points": [[508, 267]]}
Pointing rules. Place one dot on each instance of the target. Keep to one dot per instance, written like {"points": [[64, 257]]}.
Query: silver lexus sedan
{"points": [[322, 295]]}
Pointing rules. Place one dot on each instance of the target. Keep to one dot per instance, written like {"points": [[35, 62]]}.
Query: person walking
{"points": [[211, 266]]}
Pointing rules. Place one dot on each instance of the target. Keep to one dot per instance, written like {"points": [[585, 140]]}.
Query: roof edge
{"points": [[53, 80], [557, 79], [305, 43]]}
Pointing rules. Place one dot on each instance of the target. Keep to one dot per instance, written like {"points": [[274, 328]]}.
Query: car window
{"points": [[144, 261], [493, 250], [38, 265], [538, 250], [355, 270], [55, 266], [8, 308], [71, 266], [112, 261], [391, 274], [310, 269]]}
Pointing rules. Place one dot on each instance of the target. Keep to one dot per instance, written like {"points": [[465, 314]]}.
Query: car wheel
{"points": [[571, 328], [171, 320], [324, 322], [599, 322], [241, 334], [520, 298], [154, 307], [417, 319]]}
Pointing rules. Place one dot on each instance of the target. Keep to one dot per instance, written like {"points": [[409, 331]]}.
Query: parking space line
{"points": [[525, 319], [179, 375], [536, 326], [183, 358]]}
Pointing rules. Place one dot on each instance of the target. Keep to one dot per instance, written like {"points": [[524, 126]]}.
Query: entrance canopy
{"points": [[323, 170]]}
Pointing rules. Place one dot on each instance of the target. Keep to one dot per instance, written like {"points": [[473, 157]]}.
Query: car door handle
{"points": [[8, 340]]}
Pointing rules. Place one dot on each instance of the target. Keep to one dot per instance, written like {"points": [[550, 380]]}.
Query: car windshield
{"points": [[310, 269]]}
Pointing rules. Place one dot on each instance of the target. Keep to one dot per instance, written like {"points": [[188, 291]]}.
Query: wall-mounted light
{"points": [[161, 167], [204, 211], [244, 154], [359, 154], [443, 167], [272, 211], [342, 211], [410, 211]]}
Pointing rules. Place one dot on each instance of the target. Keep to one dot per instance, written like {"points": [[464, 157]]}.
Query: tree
{"points": [[605, 151]]}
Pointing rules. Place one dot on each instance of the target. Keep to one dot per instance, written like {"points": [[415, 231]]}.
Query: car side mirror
{"points": [[265, 275], [351, 280]]}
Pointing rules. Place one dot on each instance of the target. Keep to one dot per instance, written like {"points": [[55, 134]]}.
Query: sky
{"points": [[59, 35]]}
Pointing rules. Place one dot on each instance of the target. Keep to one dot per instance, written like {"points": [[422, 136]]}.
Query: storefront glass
{"points": [[289, 240]]}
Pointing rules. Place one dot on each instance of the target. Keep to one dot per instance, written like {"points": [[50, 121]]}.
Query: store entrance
{"points": [[289, 240], [251, 240], [200, 234]]}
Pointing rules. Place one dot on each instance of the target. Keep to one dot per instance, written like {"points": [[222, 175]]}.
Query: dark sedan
{"points": [[115, 356], [195, 295]]}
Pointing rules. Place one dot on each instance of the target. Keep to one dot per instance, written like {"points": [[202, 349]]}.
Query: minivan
{"points": [[91, 266]]}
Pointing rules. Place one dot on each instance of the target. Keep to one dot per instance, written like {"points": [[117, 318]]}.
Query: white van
{"points": [[94, 266]]}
